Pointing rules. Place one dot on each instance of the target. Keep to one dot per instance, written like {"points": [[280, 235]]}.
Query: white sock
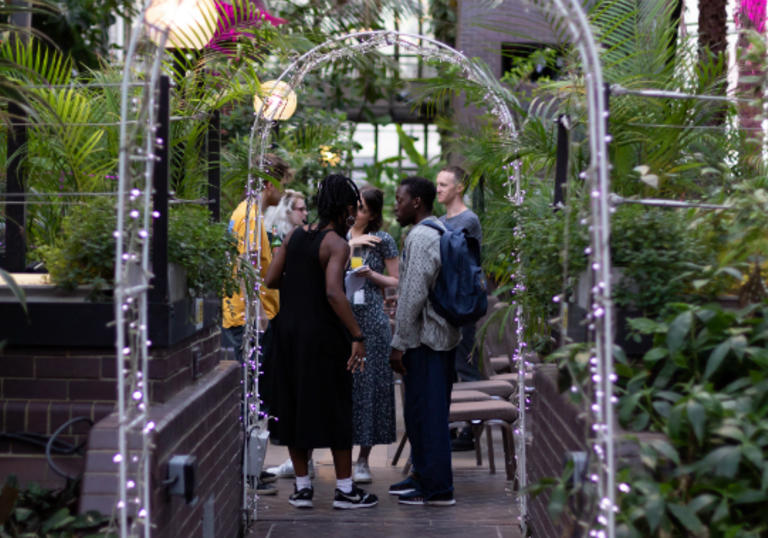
{"points": [[344, 484], [303, 482]]}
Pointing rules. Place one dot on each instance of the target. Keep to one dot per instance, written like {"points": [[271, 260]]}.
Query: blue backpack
{"points": [[459, 294]]}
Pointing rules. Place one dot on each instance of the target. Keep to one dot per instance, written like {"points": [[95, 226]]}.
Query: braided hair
{"points": [[334, 195]]}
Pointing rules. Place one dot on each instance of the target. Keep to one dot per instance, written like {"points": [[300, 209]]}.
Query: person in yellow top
{"points": [[233, 307]]}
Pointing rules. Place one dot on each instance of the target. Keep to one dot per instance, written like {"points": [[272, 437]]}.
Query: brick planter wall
{"points": [[557, 428], [202, 420], [194, 402]]}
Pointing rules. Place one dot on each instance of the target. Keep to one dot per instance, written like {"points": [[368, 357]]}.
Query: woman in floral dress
{"points": [[373, 416]]}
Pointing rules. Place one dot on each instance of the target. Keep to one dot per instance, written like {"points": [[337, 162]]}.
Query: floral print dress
{"points": [[373, 397]]}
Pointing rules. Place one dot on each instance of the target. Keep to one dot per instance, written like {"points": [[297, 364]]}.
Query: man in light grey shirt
{"points": [[422, 351]]}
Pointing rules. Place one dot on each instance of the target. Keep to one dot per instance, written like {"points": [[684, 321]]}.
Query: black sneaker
{"points": [[441, 499], [409, 485], [267, 478], [357, 498], [414, 497], [302, 498], [418, 498], [265, 489], [461, 444], [464, 441]]}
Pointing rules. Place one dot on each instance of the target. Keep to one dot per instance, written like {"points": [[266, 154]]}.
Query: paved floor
{"points": [[485, 504]]}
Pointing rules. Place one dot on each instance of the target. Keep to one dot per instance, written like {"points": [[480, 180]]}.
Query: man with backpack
{"points": [[423, 350], [451, 182]]}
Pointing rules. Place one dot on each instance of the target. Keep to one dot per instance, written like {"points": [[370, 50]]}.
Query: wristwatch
{"points": [[360, 338]]}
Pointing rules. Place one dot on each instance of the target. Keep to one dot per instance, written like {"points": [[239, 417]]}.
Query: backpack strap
{"points": [[433, 225]]}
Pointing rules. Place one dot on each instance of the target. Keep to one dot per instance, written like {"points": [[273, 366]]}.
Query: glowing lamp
{"points": [[278, 98], [191, 23]]}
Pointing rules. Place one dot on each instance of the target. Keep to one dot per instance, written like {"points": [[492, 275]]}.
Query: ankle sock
{"points": [[303, 482], [344, 484]]}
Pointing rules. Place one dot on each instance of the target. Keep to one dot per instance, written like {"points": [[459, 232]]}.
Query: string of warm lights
{"points": [[600, 316], [132, 276], [519, 358]]}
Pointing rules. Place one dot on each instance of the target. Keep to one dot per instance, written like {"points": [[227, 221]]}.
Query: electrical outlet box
{"points": [[181, 476], [580, 464]]}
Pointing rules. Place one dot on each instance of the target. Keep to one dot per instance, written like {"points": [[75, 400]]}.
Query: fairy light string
{"points": [[600, 316], [138, 125]]}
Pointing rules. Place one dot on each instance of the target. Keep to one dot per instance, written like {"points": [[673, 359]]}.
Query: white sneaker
{"points": [[285, 469], [361, 473]]}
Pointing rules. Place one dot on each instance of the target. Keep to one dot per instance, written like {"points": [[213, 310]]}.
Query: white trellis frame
{"points": [[138, 124], [600, 314], [348, 45]]}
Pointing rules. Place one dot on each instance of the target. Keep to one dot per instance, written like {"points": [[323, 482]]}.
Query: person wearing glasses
{"points": [[289, 213]]}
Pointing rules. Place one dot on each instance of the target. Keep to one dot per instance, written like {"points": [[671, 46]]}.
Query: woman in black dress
{"points": [[312, 351]]}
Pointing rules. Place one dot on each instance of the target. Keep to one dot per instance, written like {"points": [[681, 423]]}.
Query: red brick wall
{"points": [[480, 31], [202, 420], [42, 388], [557, 429]]}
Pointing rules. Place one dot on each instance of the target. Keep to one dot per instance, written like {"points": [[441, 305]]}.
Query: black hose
{"points": [[40, 440], [52, 439]]}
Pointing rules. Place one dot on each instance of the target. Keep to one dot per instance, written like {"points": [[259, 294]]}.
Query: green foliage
{"points": [[537, 252], [205, 249], [443, 14], [652, 246], [80, 27], [36, 511], [14, 287], [84, 254], [318, 144], [704, 385]]}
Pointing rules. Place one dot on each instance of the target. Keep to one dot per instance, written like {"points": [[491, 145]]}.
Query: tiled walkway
{"points": [[485, 505]]}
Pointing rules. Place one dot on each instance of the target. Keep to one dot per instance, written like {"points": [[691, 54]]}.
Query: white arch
{"points": [[348, 45], [601, 313], [138, 125]]}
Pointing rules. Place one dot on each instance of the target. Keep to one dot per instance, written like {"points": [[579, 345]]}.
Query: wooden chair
{"points": [[487, 414], [481, 412], [456, 397]]}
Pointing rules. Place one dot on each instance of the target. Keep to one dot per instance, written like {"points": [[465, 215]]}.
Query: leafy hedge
{"points": [[84, 254], [704, 384]]}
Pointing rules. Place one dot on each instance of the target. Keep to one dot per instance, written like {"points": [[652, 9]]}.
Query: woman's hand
{"points": [[356, 360], [365, 271], [365, 240]]}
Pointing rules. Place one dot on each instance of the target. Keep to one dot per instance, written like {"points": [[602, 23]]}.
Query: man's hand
{"points": [[396, 361]]}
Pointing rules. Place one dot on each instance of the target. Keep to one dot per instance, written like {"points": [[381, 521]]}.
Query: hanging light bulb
{"points": [[190, 23], [278, 99]]}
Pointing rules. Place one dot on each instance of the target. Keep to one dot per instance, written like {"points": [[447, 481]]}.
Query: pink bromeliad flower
{"points": [[231, 23], [755, 12]]}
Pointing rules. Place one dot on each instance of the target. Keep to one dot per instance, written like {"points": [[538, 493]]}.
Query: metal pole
{"points": [[15, 214], [159, 291], [561, 162], [214, 167]]}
